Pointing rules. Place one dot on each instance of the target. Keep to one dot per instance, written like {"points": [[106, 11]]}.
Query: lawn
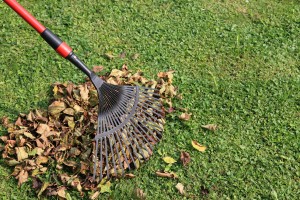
{"points": [[237, 65]]}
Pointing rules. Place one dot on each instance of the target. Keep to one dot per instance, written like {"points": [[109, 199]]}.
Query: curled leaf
{"points": [[166, 174], [198, 146], [22, 177]]}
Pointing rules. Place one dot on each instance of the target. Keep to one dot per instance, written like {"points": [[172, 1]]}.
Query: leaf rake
{"points": [[130, 118]]}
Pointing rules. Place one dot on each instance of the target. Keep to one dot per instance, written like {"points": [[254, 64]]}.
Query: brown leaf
{"points": [[97, 69], [116, 73], [211, 127], [185, 158], [22, 177], [84, 92], [198, 146], [166, 174], [140, 194], [185, 116], [95, 195], [135, 56], [180, 188], [21, 153], [43, 129], [19, 122], [5, 121], [129, 176], [56, 108], [61, 192], [69, 111], [122, 55], [41, 160]]}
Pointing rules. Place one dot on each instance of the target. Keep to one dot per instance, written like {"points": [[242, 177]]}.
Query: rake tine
{"points": [[143, 135], [142, 142], [134, 149], [96, 160], [129, 149], [106, 159], [119, 159], [101, 159], [113, 158], [122, 149], [137, 144]]}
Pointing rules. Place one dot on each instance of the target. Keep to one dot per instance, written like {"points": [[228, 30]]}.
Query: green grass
{"points": [[237, 65]]}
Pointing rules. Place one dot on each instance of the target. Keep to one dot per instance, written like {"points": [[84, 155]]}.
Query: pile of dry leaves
{"points": [[54, 148]]}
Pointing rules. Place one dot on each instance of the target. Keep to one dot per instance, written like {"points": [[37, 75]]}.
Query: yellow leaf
{"points": [[55, 90], [169, 160], [198, 146]]}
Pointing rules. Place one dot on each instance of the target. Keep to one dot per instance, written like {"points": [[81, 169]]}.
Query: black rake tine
{"points": [[107, 169], [124, 154], [96, 160], [132, 157], [137, 144], [111, 149], [134, 150], [151, 147], [101, 159], [117, 149], [141, 140]]}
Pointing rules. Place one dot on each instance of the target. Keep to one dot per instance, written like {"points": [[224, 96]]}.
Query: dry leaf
{"points": [[185, 116], [84, 92], [211, 127], [22, 177], [185, 158], [166, 174], [180, 188], [169, 160], [109, 55], [41, 160], [21, 153], [140, 194], [61, 192], [198, 146], [56, 107], [135, 56], [44, 187], [95, 195], [129, 176], [105, 187], [97, 69]]}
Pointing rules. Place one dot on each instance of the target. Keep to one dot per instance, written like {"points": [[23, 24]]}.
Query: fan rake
{"points": [[130, 118]]}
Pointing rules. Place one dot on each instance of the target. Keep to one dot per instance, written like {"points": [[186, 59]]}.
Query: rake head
{"points": [[130, 123]]}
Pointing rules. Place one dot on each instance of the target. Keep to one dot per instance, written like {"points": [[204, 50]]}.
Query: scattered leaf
{"points": [[185, 116], [166, 174], [198, 146], [97, 69], [185, 158], [169, 160], [180, 188], [129, 176], [140, 194], [211, 127], [109, 55], [135, 56]]}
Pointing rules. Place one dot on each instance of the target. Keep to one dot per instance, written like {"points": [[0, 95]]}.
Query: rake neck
{"points": [[78, 63]]}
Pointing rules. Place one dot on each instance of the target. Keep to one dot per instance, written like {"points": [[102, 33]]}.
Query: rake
{"points": [[130, 118]]}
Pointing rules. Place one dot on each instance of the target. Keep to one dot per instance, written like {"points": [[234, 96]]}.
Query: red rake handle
{"points": [[53, 40], [25, 15]]}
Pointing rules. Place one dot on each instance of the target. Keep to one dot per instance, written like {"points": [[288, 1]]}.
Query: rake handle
{"points": [[53, 40]]}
